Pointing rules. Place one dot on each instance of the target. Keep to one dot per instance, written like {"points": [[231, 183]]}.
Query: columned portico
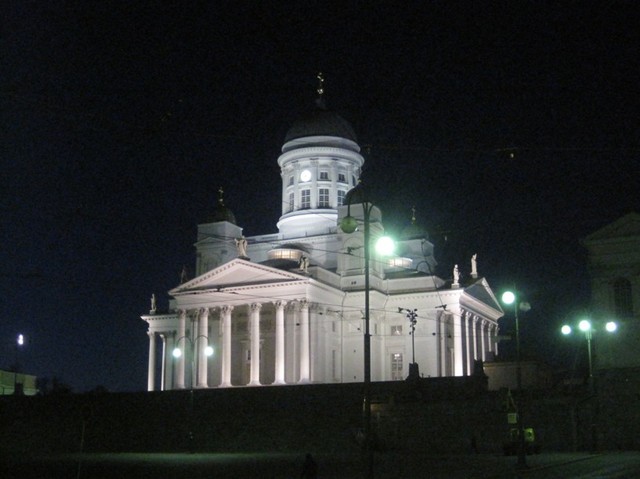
{"points": [[254, 379]]}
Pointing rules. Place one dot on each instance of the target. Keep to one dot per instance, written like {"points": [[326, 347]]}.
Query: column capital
{"points": [[256, 306], [227, 308], [280, 304], [203, 312], [151, 334], [303, 304]]}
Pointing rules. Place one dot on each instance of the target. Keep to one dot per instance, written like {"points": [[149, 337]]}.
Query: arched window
{"points": [[622, 298]]}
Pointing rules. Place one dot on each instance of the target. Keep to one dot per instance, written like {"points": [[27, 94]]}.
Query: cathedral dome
{"points": [[321, 122]]}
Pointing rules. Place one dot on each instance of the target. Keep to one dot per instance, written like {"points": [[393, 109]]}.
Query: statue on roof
{"points": [[456, 275], [241, 245], [304, 263], [474, 265], [153, 303]]}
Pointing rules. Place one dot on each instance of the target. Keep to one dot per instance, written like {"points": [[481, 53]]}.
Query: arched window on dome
{"points": [[622, 298], [291, 181], [353, 181], [342, 178], [292, 197]]}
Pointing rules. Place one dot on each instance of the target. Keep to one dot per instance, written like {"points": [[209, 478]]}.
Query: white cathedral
{"points": [[289, 307]]}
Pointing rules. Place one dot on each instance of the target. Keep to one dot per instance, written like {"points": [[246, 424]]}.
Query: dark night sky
{"points": [[119, 121]]}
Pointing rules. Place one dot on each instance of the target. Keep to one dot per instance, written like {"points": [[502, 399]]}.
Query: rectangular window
{"points": [[396, 367], [291, 181], [341, 195], [291, 201], [305, 199], [396, 330], [342, 178], [323, 198], [324, 175]]}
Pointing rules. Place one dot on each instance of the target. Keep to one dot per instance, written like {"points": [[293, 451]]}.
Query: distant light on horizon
{"points": [[20, 340]]}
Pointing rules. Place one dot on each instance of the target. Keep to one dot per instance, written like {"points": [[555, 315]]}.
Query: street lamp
{"points": [[412, 316], [177, 353], [384, 246], [509, 297], [587, 328], [20, 341]]}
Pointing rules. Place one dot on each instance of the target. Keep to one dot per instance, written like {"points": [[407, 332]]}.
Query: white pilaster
{"points": [[458, 366], [304, 342], [279, 375], [163, 367], [483, 325], [475, 337], [203, 341], [168, 361], [255, 345], [151, 380], [467, 343], [180, 343], [225, 314]]}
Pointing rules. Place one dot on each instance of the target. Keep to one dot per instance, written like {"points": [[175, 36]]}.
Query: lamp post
{"points": [[349, 225], [412, 315], [177, 353], [20, 340], [509, 297], [587, 328]]}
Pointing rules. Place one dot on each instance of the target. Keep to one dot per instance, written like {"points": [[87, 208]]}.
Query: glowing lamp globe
{"points": [[566, 329], [611, 326], [208, 351], [508, 297], [584, 325], [177, 352], [348, 224]]}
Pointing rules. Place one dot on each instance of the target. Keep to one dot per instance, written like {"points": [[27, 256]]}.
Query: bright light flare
{"points": [[385, 246], [508, 297], [566, 329], [584, 325], [177, 352], [208, 351], [611, 326]]}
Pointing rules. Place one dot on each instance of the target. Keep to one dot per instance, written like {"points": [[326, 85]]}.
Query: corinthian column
{"points": [[304, 342], [225, 314], [280, 342], [151, 380], [203, 342], [255, 345], [180, 341]]}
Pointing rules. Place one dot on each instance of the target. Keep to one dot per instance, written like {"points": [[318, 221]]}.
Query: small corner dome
{"points": [[221, 212], [321, 122]]}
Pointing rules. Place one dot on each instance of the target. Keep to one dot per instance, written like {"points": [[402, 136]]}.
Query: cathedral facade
{"points": [[290, 307]]}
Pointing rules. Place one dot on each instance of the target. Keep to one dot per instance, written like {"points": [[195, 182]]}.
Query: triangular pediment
{"points": [[237, 273], [627, 226], [480, 298]]}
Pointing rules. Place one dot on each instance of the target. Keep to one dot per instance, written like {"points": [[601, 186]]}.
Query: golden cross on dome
{"points": [[220, 194], [413, 215]]}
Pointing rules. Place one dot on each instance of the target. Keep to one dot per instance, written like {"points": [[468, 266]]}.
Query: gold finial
{"points": [[220, 194], [320, 78]]}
